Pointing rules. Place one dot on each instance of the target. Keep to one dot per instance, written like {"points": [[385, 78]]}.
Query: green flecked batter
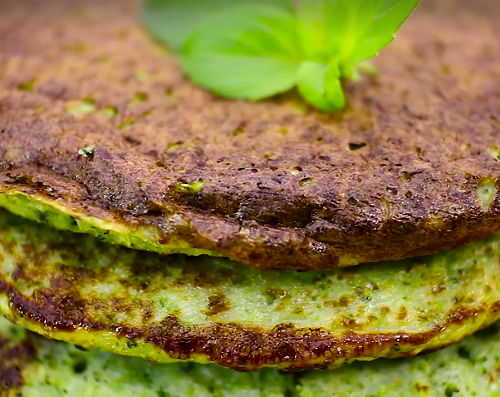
{"points": [[75, 288], [141, 238], [58, 369]]}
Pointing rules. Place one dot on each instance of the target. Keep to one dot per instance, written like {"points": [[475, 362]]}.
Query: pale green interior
{"points": [[140, 237]]}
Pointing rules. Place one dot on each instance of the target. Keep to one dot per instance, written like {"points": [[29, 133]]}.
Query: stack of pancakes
{"points": [[221, 244]]}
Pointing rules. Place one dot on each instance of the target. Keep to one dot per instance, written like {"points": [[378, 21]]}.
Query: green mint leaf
{"points": [[173, 21], [319, 84], [333, 27], [247, 52], [351, 31], [385, 24], [254, 49]]}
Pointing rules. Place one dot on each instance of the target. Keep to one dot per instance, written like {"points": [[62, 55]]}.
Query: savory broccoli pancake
{"points": [[58, 369], [75, 288], [98, 123]]}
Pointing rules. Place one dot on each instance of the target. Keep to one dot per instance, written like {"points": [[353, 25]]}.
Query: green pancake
{"points": [[41, 368], [76, 288]]}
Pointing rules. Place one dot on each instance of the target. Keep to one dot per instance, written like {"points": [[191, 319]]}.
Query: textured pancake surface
{"points": [[75, 288], [56, 369], [98, 122]]}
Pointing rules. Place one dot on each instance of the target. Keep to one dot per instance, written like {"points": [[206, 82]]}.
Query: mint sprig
{"points": [[249, 52], [174, 21], [255, 49]]}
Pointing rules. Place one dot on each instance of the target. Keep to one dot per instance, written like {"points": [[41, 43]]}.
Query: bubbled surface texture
{"points": [[395, 175]]}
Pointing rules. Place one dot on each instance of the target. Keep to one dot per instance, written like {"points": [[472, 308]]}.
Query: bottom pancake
{"points": [[31, 366], [75, 288]]}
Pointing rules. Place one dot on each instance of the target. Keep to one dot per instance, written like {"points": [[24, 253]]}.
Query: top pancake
{"points": [[410, 168]]}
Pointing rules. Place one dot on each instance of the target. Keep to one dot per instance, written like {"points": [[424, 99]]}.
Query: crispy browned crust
{"points": [[393, 176]]}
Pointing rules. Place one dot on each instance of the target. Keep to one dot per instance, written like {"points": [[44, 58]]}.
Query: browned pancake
{"points": [[166, 308], [411, 167]]}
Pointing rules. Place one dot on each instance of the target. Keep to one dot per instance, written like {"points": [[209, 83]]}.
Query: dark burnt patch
{"points": [[147, 313], [217, 303], [462, 314], [49, 308], [14, 357], [57, 305]]}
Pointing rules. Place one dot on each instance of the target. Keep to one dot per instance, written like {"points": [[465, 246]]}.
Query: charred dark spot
{"points": [[129, 332], [52, 309], [119, 305], [10, 377], [13, 359], [356, 146], [460, 315], [59, 283], [18, 274], [217, 303], [147, 313]]}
